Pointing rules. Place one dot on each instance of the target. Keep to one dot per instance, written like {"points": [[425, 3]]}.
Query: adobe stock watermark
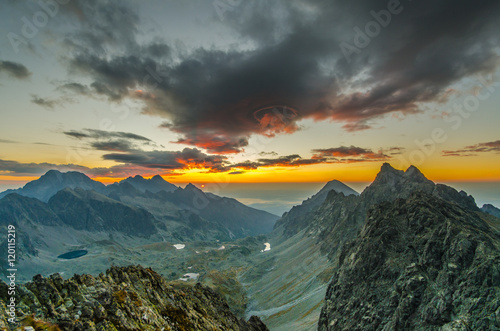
{"points": [[31, 26], [363, 37], [457, 114]]}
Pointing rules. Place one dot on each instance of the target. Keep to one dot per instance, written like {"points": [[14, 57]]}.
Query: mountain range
{"points": [[406, 253], [310, 244], [81, 212]]}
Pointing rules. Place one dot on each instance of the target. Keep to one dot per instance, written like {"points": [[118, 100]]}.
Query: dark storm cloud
{"points": [[75, 88], [341, 154], [351, 153], [157, 50], [113, 145], [15, 70], [110, 141], [214, 99], [188, 158], [102, 24], [488, 147], [293, 160], [101, 134]]}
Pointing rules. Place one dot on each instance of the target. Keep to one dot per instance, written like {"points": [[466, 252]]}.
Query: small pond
{"points": [[73, 254]]}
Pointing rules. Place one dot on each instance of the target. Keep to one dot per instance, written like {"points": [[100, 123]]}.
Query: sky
{"points": [[232, 91]]}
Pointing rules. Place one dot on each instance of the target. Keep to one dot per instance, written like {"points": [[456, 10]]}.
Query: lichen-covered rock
{"points": [[420, 263], [125, 298]]}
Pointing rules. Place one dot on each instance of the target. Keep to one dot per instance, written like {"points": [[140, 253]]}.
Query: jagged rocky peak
{"points": [[191, 187], [158, 178], [391, 183], [125, 298], [390, 176], [420, 263], [154, 184], [338, 187], [414, 173], [52, 174]]}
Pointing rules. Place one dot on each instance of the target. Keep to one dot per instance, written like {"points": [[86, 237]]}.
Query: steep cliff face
{"points": [[341, 217], [307, 241], [127, 298], [297, 218], [418, 263], [91, 211]]}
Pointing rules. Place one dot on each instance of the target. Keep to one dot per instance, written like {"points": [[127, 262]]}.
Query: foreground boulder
{"points": [[125, 298]]}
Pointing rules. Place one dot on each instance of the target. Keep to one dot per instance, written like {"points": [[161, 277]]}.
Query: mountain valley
{"points": [[312, 268]]}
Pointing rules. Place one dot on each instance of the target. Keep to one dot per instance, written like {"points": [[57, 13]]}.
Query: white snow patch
{"points": [[179, 246], [268, 248], [189, 276], [222, 247]]}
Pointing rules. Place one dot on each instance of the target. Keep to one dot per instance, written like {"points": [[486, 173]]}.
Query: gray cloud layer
{"points": [[487, 147], [14, 69]]}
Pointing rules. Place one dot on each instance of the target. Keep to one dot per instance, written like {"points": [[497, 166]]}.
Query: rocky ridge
{"points": [[332, 225], [125, 298], [341, 217], [419, 263]]}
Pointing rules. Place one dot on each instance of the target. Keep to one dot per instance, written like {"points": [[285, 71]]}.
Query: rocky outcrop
{"points": [[343, 212], [127, 298], [341, 217], [490, 209], [419, 263]]}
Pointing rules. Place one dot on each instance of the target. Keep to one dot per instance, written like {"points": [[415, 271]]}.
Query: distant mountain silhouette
{"points": [[240, 219], [154, 184], [141, 208], [490, 209], [53, 181], [298, 214]]}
